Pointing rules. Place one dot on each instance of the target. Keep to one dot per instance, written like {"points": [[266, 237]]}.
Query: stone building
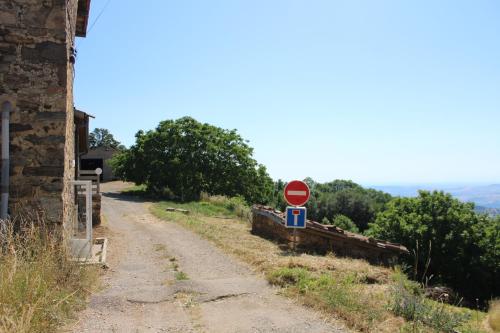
{"points": [[98, 158], [37, 57]]}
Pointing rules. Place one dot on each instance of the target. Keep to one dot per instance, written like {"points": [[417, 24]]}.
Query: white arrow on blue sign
{"points": [[296, 217]]}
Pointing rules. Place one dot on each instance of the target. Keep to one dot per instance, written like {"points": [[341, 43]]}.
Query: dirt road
{"points": [[144, 290]]}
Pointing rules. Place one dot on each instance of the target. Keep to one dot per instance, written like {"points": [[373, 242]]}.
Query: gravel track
{"points": [[141, 292]]}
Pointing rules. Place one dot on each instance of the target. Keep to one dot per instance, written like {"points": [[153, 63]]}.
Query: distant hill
{"points": [[489, 211], [484, 196]]}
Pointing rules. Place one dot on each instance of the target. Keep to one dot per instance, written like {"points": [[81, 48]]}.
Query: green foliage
{"points": [[340, 197], [449, 241], [211, 206], [339, 294], [101, 137], [182, 158], [344, 197], [345, 223], [235, 205], [180, 276], [342, 222], [417, 309], [40, 288]]}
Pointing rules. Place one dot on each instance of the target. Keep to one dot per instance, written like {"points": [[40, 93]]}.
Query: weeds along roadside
{"points": [[40, 287], [364, 296]]}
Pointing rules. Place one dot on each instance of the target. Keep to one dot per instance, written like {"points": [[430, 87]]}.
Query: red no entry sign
{"points": [[297, 193]]}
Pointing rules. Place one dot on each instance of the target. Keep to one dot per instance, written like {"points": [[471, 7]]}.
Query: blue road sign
{"points": [[296, 217]]}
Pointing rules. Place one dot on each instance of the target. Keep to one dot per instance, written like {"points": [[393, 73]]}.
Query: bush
{"points": [[345, 223], [449, 241], [39, 286], [236, 205], [344, 197], [342, 222], [417, 309]]}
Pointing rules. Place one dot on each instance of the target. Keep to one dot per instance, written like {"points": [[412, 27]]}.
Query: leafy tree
{"points": [[278, 199], [101, 137], [449, 241], [342, 222], [182, 158], [344, 197], [345, 223]]}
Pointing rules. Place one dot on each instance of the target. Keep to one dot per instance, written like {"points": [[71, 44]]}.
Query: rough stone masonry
{"points": [[37, 55]]}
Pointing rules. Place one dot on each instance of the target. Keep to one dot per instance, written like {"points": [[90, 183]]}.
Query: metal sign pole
{"points": [[294, 240], [297, 194]]}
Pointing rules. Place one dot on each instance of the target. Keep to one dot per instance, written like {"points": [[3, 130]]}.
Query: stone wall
{"points": [[36, 74], [319, 238]]}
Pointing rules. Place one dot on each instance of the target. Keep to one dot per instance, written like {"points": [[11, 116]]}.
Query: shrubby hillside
{"points": [[450, 242]]}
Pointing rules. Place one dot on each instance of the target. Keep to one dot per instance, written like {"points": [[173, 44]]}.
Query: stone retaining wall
{"points": [[321, 238]]}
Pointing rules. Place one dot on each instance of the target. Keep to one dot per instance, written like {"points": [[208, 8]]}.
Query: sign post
{"points": [[296, 193]]}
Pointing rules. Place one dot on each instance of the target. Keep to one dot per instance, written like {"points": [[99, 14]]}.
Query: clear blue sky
{"points": [[380, 92]]}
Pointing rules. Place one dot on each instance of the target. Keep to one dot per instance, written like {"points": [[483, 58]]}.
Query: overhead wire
{"points": [[98, 16]]}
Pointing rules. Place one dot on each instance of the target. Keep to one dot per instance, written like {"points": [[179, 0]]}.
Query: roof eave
{"points": [[82, 18]]}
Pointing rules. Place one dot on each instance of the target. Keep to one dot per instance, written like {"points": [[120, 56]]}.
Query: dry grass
{"points": [[40, 288], [494, 316], [349, 289]]}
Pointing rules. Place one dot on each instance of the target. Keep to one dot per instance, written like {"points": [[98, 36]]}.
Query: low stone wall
{"points": [[321, 238]]}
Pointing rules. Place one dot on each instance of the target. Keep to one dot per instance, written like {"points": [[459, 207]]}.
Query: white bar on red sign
{"points": [[297, 193]]}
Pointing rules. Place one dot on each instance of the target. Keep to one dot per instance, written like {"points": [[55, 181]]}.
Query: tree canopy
{"points": [[450, 241], [183, 158], [101, 137], [339, 197]]}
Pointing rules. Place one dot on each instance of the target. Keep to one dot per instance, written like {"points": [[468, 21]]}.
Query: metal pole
{"points": [[294, 239], [6, 110], [88, 213]]}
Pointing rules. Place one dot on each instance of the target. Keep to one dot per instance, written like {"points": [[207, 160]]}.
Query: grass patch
{"points": [[40, 288], [416, 308], [353, 290], [324, 290], [137, 190], [180, 275]]}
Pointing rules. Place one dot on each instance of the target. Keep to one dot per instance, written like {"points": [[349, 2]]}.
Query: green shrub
{"points": [[448, 239], [342, 222], [344, 197], [179, 276], [236, 205], [417, 309], [345, 223]]}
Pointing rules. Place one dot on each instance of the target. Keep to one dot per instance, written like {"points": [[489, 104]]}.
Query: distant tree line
{"points": [[448, 240]]}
